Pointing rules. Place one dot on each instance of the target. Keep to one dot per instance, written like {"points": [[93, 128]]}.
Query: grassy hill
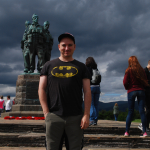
{"points": [[123, 105]]}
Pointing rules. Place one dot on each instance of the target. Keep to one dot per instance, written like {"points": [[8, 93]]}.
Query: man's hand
{"points": [[85, 122], [45, 114]]}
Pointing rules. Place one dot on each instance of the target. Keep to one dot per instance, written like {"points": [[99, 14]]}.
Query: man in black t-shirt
{"points": [[63, 78]]}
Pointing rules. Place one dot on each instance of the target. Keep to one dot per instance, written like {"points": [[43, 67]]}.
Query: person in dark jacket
{"points": [[95, 91], [147, 94], [135, 82], [116, 111], [147, 98]]}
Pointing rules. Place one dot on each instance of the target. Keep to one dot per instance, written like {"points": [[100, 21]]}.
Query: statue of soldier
{"points": [[35, 38], [25, 48], [48, 43]]}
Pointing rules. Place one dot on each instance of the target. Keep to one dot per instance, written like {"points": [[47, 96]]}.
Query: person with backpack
{"points": [[95, 89]]}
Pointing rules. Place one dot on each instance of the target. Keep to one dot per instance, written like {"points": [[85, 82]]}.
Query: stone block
{"points": [[26, 108], [29, 77], [21, 83], [20, 95], [21, 89], [20, 101]]}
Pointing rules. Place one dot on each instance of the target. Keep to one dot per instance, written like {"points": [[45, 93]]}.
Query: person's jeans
{"points": [[55, 127], [116, 116], [147, 105], [131, 102], [94, 110]]}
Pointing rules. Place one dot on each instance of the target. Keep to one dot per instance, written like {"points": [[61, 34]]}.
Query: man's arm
{"points": [[87, 103], [42, 94]]}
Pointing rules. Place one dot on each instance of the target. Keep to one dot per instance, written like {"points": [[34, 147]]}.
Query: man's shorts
{"points": [[55, 127]]}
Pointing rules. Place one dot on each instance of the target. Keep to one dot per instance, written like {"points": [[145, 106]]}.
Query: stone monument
{"points": [[36, 40]]}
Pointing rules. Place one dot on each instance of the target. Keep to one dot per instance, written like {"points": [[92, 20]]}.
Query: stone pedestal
{"points": [[27, 89], [27, 100]]}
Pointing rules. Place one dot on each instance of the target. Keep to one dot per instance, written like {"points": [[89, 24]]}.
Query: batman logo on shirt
{"points": [[64, 71]]}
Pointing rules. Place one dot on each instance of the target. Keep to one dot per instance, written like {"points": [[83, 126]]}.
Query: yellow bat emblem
{"points": [[64, 71]]}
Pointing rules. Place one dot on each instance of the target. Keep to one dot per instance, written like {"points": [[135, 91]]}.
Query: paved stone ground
{"points": [[42, 148]]}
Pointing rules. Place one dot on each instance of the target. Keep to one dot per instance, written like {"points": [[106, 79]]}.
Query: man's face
{"points": [[66, 47], [35, 19], [46, 26]]}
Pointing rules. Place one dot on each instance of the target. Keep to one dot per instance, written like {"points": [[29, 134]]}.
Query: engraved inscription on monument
{"points": [[31, 90]]}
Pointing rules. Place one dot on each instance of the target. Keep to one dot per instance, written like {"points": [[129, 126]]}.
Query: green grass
{"points": [[137, 120]]}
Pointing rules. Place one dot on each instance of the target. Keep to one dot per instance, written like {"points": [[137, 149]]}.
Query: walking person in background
{"points": [[116, 111], [1, 104], [8, 104], [95, 89], [135, 82], [147, 99]]}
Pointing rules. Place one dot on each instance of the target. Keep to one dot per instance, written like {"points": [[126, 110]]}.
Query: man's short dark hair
{"points": [[8, 96], [1, 96], [66, 35]]}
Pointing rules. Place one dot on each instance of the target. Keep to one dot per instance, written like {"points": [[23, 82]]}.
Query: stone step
{"points": [[103, 127], [90, 140], [23, 113], [26, 108], [85, 148], [117, 141], [17, 128], [40, 128]]}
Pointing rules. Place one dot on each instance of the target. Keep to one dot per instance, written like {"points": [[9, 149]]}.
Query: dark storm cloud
{"points": [[8, 79], [5, 68], [93, 23], [110, 31], [12, 55]]}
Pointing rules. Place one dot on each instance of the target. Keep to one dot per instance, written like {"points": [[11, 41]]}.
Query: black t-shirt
{"points": [[64, 87]]}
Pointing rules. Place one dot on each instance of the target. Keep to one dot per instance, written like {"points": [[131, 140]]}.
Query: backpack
{"points": [[96, 77]]}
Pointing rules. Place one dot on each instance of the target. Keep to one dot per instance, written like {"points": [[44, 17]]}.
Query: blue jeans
{"points": [[131, 101], [94, 110], [116, 116]]}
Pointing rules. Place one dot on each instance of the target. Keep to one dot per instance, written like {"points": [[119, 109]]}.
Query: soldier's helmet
{"points": [[27, 23], [34, 15], [46, 23]]}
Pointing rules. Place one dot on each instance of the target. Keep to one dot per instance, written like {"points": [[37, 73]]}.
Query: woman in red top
{"points": [[135, 81]]}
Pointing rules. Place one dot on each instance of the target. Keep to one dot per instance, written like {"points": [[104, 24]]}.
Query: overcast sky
{"points": [[109, 30]]}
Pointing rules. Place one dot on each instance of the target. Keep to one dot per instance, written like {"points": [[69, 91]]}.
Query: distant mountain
{"points": [[123, 105]]}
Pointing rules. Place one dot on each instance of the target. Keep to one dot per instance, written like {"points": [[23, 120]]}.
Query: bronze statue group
{"points": [[37, 40]]}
